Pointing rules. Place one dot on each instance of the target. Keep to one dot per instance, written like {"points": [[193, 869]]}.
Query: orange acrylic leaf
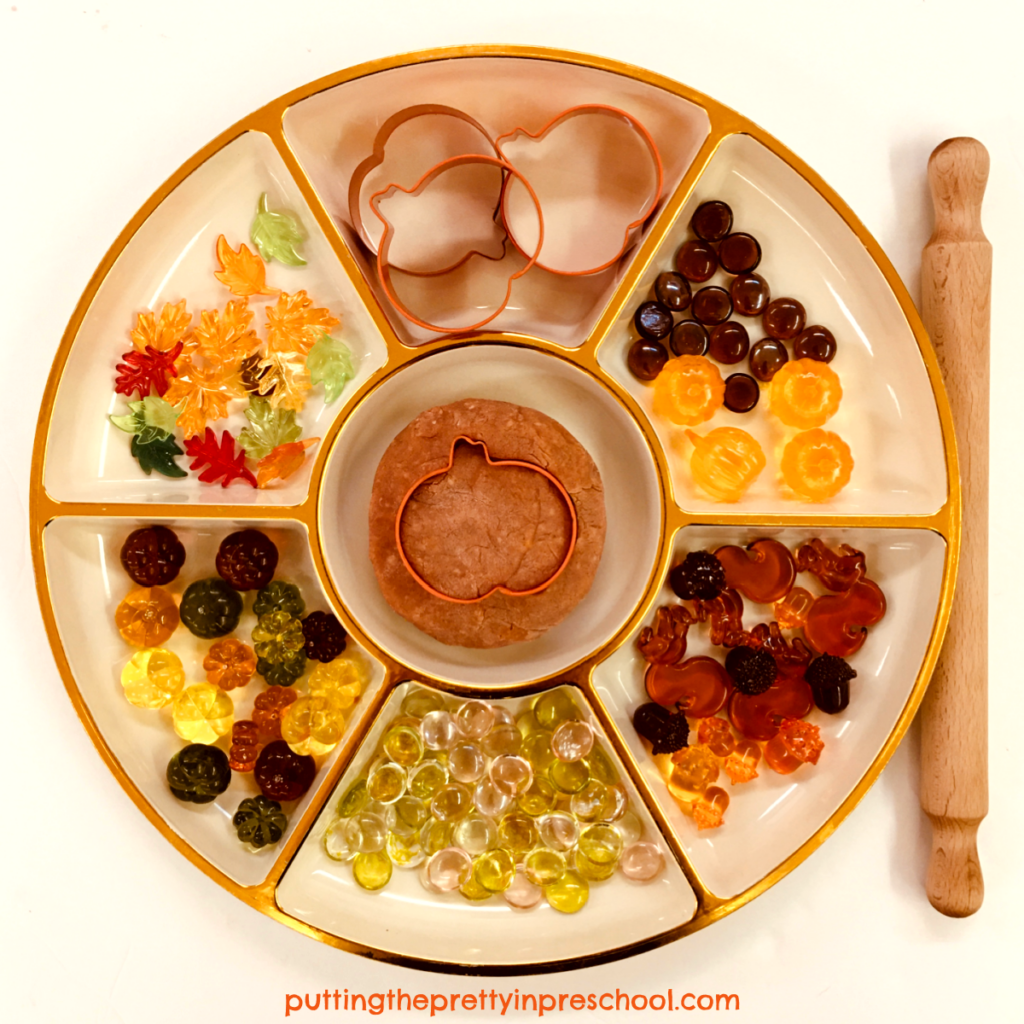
{"points": [[202, 394], [283, 461], [294, 324], [225, 339], [164, 332], [284, 380], [243, 272]]}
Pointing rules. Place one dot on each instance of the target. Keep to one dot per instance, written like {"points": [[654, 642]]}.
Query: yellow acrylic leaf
{"points": [[164, 332], [243, 272], [202, 394], [283, 461], [284, 380], [225, 339], [294, 324]]}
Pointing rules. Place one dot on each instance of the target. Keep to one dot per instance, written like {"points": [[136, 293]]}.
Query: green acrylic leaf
{"points": [[158, 454], [269, 428], [159, 414], [133, 422], [330, 361], [276, 233]]}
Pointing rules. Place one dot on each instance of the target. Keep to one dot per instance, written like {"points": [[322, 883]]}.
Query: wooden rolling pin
{"points": [[956, 282]]}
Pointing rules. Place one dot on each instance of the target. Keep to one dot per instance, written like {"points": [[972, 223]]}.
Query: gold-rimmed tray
{"points": [[906, 479]]}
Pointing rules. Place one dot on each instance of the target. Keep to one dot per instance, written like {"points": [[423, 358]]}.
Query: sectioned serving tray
{"points": [[560, 346]]}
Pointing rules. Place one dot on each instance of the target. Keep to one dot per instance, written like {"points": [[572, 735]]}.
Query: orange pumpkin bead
{"points": [[805, 393], [816, 464], [725, 462], [689, 390], [229, 663]]}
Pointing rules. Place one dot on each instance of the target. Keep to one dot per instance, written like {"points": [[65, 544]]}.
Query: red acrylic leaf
{"points": [[142, 371], [220, 459]]}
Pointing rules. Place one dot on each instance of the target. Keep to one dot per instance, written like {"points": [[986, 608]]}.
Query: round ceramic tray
{"points": [[560, 347]]}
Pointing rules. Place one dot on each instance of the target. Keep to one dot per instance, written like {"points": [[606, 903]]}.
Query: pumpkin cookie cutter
{"points": [[648, 207], [359, 204], [384, 268], [498, 589]]}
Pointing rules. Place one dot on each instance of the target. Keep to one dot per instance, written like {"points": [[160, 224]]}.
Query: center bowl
{"points": [[590, 412]]}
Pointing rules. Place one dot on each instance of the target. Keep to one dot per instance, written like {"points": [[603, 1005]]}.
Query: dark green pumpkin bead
{"points": [[211, 608], [284, 673], [198, 774], [279, 596], [259, 822]]}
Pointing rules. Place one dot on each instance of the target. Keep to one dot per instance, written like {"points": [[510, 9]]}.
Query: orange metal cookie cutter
{"points": [[563, 494], [588, 108], [384, 268], [377, 157]]}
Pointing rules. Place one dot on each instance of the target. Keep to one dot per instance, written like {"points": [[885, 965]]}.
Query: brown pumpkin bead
{"points": [[152, 556]]}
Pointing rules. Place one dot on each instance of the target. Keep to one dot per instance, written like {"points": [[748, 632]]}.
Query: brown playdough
{"points": [[479, 526]]}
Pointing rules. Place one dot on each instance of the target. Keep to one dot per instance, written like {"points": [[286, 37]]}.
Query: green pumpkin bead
{"points": [[198, 773], [259, 822], [284, 673], [279, 596], [211, 608]]}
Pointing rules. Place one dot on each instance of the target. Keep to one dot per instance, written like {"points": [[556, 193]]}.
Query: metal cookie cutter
{"points": [[559, 487]]}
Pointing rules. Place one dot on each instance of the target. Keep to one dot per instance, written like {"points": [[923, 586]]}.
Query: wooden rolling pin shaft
{"points": [[956, 282]]}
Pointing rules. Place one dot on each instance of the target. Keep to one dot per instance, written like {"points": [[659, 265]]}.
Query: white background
{"points": [[102, 920]]}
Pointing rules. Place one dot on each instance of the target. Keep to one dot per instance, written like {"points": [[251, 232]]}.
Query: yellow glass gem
{"points": [[153, 678], [555, 707], [313, 725], [474, 891], [404, 851], [569, 893], [544, 867], [407, 815], [451, 802], [419, 702], [147, 617], [527, 722], [426, 779], [372, 870], [386, 783], [436, 836], [538, 799], [202, 713], [592, 870], [475, 834], [344, 677], [354, 800], [569, 776], [601, 767], [403, 745], [517, 834], [537, 750], [336, 841], [494, 870], [600, 844]]}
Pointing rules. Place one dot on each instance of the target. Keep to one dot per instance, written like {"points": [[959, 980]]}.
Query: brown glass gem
{"points": [[815, 342], [784, 319], [729, 342], [712, 221], [646, 358], [697, 261], [672, 290], [689, 338], [767, 357], [653, 320], [712, 306], [750, 294], [739, 253], [741, 392]]}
